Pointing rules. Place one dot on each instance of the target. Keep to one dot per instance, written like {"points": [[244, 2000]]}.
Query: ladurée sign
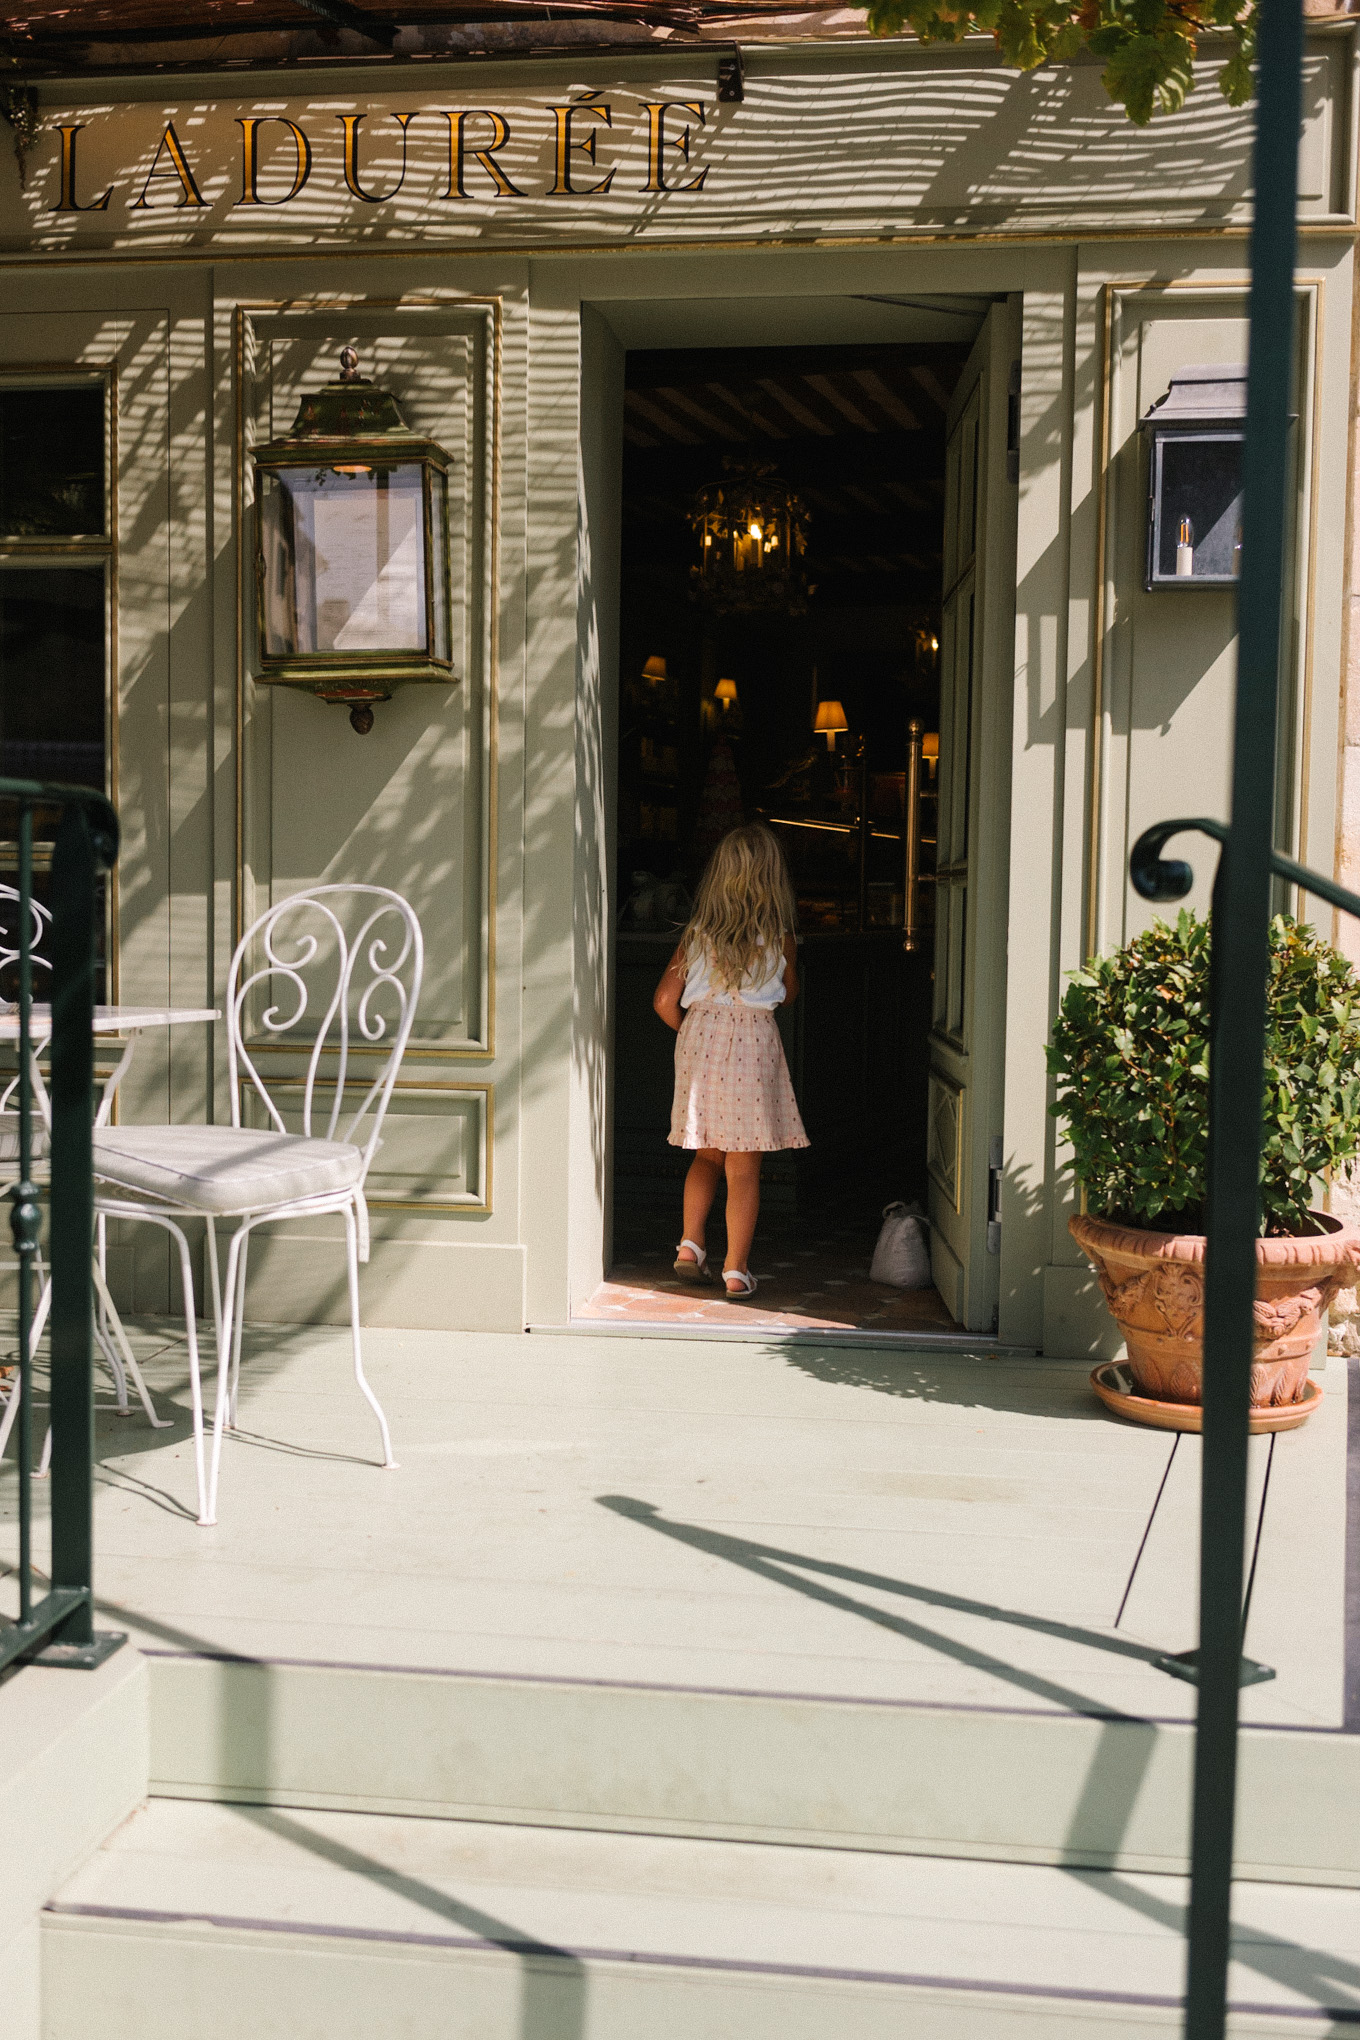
{"points": [[277, 155]]}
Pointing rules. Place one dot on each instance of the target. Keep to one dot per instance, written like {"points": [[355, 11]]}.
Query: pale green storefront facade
{"points": [[858, 192]]}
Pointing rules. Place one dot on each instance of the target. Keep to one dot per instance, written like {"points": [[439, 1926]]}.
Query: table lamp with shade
{"points": [[829, 722], [657, 692], [726, 693]]}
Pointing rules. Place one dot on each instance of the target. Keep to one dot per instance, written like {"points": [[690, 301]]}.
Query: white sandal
{"points": [[747, 1281], [695, 1270]]}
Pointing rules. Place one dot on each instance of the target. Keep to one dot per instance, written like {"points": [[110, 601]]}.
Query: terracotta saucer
{"points": [[1112, 1382]]}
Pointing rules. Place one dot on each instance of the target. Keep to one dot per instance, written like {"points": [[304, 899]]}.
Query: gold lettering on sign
{"points": [[657, 142], [68, 201], [351, 123], [250, 163], [459, 151], [169, 145], [566, 142]]}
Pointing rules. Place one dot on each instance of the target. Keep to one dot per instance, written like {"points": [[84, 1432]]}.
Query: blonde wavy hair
{"points": [[745, 905]]}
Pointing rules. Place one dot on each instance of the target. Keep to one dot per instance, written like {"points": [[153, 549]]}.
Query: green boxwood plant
{"points": [[1130, 1052]]}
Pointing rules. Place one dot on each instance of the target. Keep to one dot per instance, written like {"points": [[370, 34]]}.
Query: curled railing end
{"points": [[101, 816], [105, 833], [1155, 877]]}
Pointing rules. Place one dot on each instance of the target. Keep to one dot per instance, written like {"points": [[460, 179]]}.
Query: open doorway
{"points": [[815, 711]]}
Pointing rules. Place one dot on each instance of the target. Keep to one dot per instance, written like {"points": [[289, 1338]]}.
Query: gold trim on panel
{"points": [[462, 1207], [114, 684], [1093, 875], [243, 312], [239, 321], [1335, 226], [1118, 297], [1350, 648], [1317, 288], [493, 696]]}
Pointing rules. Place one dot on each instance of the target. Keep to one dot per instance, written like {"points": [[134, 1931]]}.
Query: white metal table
{"points": [[115, 1022], [131, 1021]]}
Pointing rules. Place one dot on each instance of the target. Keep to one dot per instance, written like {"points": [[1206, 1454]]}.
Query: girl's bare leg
{"points": [[743, 1209], [701, 1187]]}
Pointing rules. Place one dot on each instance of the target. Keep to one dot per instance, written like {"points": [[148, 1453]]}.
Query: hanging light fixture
{"points": [[352, 549], [752, 530]]}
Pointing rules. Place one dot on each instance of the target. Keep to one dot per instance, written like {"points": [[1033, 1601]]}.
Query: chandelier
{"points": [[752, 531]]}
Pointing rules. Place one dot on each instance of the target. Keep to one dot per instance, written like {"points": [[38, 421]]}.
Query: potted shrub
{"points": [[1130, 1052]]}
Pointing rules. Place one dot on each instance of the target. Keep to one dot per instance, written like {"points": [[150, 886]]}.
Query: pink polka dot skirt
{"points": [[732, 1084]]}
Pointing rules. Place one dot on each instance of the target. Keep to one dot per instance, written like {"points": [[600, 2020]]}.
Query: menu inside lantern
{"points": [[366, 533]]}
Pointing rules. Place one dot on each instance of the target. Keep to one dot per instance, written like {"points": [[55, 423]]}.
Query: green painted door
{"points": [[967, 1040]]}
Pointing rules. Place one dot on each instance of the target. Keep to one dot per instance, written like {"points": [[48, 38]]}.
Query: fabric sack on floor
{"points": [[902, 1256]]}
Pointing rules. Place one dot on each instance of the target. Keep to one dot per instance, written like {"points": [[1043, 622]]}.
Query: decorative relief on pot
{"points": [[1277, 1318], [1177, 1293], [1154, 1286], [1184, 1384], [1123, 1298]]}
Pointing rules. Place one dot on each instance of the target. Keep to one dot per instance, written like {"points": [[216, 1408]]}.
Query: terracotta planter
{"points": [[1154, 1286]]}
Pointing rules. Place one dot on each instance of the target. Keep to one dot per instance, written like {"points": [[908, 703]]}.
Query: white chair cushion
{"points": [[223, 1168], [9, 1139]]}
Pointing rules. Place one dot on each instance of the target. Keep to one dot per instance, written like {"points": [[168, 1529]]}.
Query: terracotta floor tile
{"points": [[813, 1273]]}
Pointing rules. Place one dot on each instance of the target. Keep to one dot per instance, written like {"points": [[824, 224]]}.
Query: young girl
{"points": [[735, 963]]}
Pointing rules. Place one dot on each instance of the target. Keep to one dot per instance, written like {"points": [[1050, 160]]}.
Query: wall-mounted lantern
{"points": [[352, 553], [1195, 438]]}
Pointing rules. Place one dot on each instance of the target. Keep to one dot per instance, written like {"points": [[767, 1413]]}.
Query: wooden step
{"points": [[1022, 1785], [222, 1921]]}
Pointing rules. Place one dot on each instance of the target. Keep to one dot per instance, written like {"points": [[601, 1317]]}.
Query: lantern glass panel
{"points": [[439, 563], [1198, 482], [344, 559]]}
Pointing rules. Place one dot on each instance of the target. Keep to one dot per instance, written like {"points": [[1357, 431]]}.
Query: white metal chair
{"points": [[302, 968], [108, 1329]]}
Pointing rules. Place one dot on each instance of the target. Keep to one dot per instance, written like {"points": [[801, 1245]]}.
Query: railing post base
{"points": [[81, 1657], [1185, 1665]]}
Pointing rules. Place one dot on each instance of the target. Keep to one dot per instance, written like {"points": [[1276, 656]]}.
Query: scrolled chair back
{"points": [[40, 920], [337, 967]]}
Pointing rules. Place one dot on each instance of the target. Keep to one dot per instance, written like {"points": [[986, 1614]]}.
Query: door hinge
{"points": [[996, 1161], [1013, 424]]}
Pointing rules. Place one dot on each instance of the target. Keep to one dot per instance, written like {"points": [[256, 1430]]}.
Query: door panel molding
{"points": [[944, 1135], [967, 1042]]}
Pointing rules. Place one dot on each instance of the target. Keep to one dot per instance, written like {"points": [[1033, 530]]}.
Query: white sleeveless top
{"points": [[764, 986]]}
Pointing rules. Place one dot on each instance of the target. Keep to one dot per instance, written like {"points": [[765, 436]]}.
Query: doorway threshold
{"points": [[985, 1344]]}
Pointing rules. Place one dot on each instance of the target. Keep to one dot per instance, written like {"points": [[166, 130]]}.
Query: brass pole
{"points": [[911, 829], [862, 756]]}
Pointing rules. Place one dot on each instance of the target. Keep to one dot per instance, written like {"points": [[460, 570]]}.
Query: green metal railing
{"points": [[59, 1627], [1248, 865]]}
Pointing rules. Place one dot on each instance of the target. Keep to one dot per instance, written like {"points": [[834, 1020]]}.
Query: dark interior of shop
{"points": [[54, 598], [797, 687]]}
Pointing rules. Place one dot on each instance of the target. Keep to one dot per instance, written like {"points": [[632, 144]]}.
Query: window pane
{"points": [[52, 462], [52, 673]]}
